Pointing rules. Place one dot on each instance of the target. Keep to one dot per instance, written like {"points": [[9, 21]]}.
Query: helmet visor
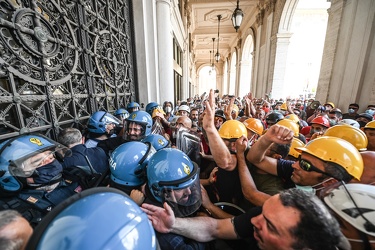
{"points": [[25, 166], [184, 201]]}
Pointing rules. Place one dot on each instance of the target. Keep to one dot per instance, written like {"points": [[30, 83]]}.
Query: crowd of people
{"points": [[211, 172]]}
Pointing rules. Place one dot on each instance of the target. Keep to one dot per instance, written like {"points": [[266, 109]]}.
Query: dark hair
{"points": [[337, 171], [165, 103], [354, 104], [317, 228], [282, 149]]}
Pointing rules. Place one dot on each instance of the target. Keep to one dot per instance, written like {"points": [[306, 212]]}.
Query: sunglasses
{"points": [[307, 166]]}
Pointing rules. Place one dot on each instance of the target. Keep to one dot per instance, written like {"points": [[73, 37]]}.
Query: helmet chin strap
{"points": [[319, 186]]}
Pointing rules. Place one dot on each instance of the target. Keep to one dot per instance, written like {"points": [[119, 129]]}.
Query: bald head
{"points": [[184, 121]]}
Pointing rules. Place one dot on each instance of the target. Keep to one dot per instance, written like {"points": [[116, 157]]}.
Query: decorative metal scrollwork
{"points": [[40, 43], [62, 60]]}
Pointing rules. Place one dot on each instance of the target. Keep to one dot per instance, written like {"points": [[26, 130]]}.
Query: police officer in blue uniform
{"points": [[173, 178], [137, 126], [101, 126], [27, 183], [96, 219], [94, 158]]}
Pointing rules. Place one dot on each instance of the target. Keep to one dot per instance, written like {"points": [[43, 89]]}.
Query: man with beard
{"points": [[137, 126], [293, 219]]}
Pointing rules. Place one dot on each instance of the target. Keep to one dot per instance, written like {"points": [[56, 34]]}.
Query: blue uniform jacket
{"points": [[97, 157]]}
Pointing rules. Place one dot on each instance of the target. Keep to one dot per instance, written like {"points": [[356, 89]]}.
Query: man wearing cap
{"points": [[363, 119], [219, 118], [329, 106], [184, 110]]}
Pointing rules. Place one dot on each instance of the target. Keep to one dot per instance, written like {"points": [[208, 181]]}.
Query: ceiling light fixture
{"points": [[237, 16], [217, 55], [213, 51]]}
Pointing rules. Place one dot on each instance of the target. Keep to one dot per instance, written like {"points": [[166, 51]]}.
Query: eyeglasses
{"points": [[307, 166]]}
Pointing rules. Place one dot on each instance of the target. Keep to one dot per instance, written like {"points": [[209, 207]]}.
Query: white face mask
{"points": [[168, 109]]}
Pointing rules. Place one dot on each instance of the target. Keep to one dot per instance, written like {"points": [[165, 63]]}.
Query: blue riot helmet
{"points": [[97, 218], [157, 141], [128, 165], [173, 178], [138, 120], [151, 106], [132, 106], [21, 156], [121, 114], [99, 120]]}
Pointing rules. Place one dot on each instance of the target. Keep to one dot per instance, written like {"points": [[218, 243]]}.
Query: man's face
{"points": [[183, 113], [37, 161], [354, 108], [131, 110], [194, 115], [305, 178], [370, 133], [109, 128], [260, 114], [272, 228], [182, 122], [134, 131], [182, 195], [332, 115], [231, 144], [218, 122], [317, 128]]}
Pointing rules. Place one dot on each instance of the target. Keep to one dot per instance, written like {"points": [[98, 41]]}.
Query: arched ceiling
{"points": [[204, 25]]}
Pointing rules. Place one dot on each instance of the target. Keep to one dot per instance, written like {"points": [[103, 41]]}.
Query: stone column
{"points": [[282, 44], [165, 49]]}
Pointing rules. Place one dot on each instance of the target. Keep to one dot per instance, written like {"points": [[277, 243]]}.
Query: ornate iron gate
{"points": [[62, 60]]}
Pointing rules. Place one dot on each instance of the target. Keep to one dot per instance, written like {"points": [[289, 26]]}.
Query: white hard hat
{"points": [[350, 122], [364, 196], [184, 108]]}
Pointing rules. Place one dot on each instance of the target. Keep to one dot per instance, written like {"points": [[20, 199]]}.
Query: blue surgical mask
{"points": [[307, 189], [351, 111], [370, 111]]}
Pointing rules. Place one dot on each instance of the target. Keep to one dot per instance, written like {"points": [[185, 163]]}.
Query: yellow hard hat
{"points": [[283, 106], [295, 143], [290, 125], [293, 117], [349, 133], [336, 150], [232, 129], [254, 125], [370, 125], [157, 110], [330, 103]]}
